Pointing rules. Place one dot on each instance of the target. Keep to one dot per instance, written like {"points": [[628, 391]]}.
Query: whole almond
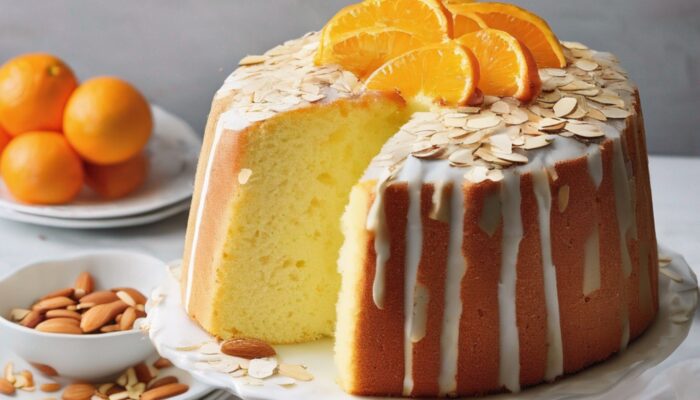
{"points": [[138, 297], [6, 387], [127, 320], [101, 297], [162, 363], [65, 292], [32, 319], [62, 314], [60, 325], [110, 328], [84, 284], [247, 348], [50, 387], [78, 391], [165, 391], [166, 380], [52, 304], [101, 315], [45, 369], [144, 373]]}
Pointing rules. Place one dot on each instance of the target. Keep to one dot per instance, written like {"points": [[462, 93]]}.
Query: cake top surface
{"points": [[577, 103]]}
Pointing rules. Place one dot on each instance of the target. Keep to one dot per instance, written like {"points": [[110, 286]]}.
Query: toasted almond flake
{"points": [[500, 107], [676, 277], [587, 65], [477, 174], [252, 60], [577, 85], [439, 139], [244, 176], [578, 113], [596, 114], [456, 133], [535, 142], [609, 100], [558, 72], [574, 45], [501, 143], [512, 157], [462, 157], [495, 175], [516, 117], [584, 130], [483, 122], [550, 97], [565, 106], [587, 92], [614, 112], [551, 124]]}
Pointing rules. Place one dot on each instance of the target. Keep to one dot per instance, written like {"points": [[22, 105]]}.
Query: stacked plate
{"points": [[172, 151]]}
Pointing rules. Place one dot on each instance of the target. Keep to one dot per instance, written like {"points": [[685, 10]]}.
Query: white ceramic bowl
{"points": [[88, 357]]}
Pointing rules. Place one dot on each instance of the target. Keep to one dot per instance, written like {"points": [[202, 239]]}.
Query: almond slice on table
{"points": [[78, 391], [297, 372], [165, 391]]}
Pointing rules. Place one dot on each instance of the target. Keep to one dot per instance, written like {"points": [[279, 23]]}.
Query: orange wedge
{"points": [[507, 67], [527, 27], [364, 51], [462, 23], [424, 19], [445, 73]]}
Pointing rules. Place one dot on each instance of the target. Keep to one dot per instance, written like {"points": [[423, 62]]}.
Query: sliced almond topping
{"points": [[244, 175], [252, 60], [565, 106], [584, 130], [483, 122], [614, 112]]}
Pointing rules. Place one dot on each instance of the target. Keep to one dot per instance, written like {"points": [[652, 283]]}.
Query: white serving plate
{"points": [[105, 223], [171, 328], [172, 151]]}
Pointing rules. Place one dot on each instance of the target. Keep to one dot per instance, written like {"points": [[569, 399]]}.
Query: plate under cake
{"points": [[485, 248]]}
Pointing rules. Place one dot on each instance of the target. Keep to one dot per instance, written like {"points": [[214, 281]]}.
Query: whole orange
{"points": [[107, 121], [42, 168], [34, 90], [4, 140], [117, 180]]}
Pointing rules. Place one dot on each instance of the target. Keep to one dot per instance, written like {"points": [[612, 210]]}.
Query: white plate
{"points": [[172, 151], [197, 389], [107, 223], [171, 328]]}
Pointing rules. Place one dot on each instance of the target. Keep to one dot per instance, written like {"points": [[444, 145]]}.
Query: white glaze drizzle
{"points": [[623, 208], [376, 222], [555, 354], [509, 354], [591, 262], [413, 172], [595, 165], [420, 313], [456, 269]]}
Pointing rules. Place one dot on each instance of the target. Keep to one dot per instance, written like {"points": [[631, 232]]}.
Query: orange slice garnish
{"points": [[464, 22], [527, 27], [364, 51], [507, 67], [445, 73], [425, 19]]}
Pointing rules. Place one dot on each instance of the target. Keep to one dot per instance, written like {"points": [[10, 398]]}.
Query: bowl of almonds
{"points": [[81, 315]]}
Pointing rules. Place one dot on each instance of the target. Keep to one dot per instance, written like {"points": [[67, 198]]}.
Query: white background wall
{"points": [[179, 51]]}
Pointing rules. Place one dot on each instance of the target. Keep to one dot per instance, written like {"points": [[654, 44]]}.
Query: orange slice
{"points": [[507, 67], [424, 19], [464, 22], [527, 27], [364, 51], [445, 73]]}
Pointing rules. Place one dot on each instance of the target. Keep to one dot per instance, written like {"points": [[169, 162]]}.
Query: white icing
{"points": [[420, 313], [555, 353], [591, 262], [376, 222], [413, 173], [509, 354], [456, 269], [595, 165], [490, 215]]}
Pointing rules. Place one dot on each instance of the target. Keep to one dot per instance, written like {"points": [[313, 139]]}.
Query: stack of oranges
{"points": [[450, 52], [57, 135]]}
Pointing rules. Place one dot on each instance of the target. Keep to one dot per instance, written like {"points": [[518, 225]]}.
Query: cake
{"points": [[484, 246]]}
